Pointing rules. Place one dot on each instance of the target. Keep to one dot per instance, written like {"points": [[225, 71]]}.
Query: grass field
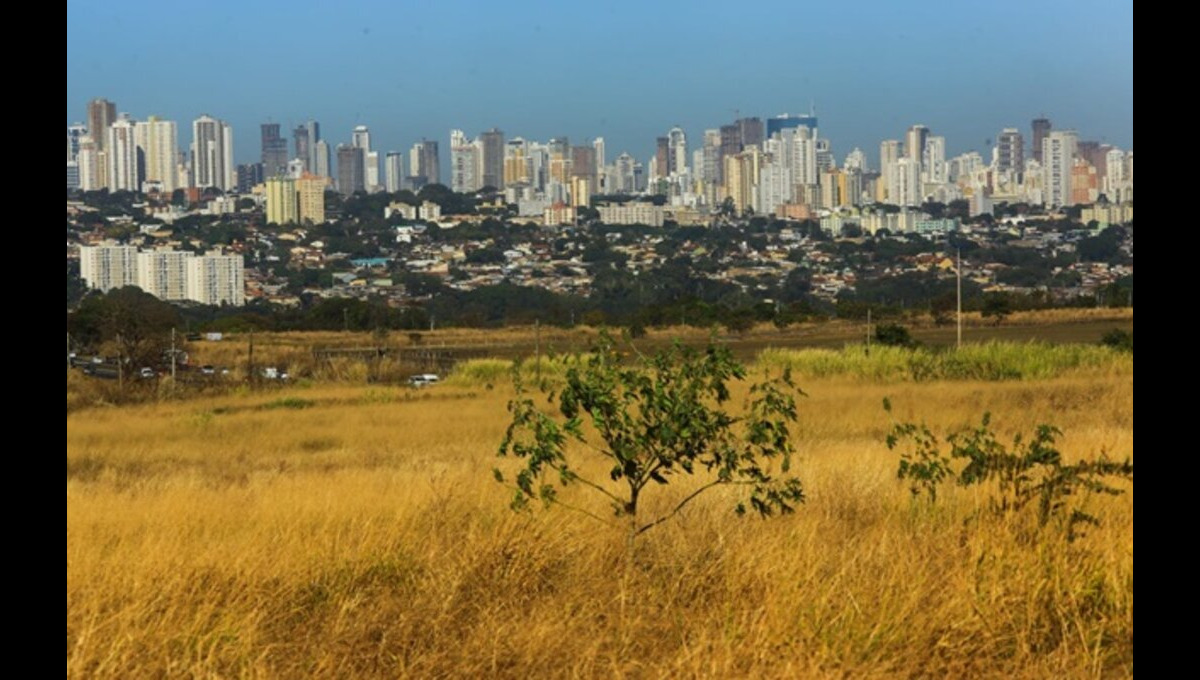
{"points": [[344, 531]]}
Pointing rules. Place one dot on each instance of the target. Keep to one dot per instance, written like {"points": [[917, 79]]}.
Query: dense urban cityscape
{"points": [[757, 219]]}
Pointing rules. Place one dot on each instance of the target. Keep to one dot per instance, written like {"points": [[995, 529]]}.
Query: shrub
{"points": [[660, 418], [1029, 473]]}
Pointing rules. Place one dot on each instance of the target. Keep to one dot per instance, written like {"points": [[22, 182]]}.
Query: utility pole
{"points": [[868, 331], [537, 347], [250, 363], [120, 366], [958, 270], [172, 358], [69, 345]]}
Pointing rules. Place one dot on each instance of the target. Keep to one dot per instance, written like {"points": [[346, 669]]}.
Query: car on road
{"points": [[424, 379], [208, 369], [146, 373]]}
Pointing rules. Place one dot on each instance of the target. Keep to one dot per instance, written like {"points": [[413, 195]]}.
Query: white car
{"points": [[423, 379]]}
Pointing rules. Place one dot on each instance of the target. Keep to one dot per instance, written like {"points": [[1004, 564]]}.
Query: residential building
{"points": [[282, 206], [216, 279], [394, 171], [101, 113], [1058, 161], [310, 198], [274, 151], [158, 144], [163, 273], [212, 154], [1010, 147], [1041, 130], [464, 163], [109, 266], [633, 212], [351, 169], [491, 159], [122, 152]]}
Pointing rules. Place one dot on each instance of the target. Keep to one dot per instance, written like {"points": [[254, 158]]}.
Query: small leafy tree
{"points": [[657, 419], [894, 335], [1030, 473]]}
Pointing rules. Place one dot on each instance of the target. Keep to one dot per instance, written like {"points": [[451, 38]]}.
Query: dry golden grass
{"points": [[340, 531]]}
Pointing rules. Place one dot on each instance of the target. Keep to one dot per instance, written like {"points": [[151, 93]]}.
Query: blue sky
{"points": [[627, 71]]}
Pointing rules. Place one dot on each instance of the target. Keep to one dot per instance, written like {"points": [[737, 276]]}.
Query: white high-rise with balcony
{"points": [[122, 157], [212, 154], [158, 141], [1058, 157]]}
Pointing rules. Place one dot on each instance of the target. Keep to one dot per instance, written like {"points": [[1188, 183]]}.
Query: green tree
{"points": [[996, 306], [660, 418], [894, 335]]}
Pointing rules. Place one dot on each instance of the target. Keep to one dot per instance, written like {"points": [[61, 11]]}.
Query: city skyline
{"points": [[961, 75]]}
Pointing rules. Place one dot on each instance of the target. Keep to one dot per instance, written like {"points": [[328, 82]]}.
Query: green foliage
{"points": [[893, 335], [974, 361], [996, 306], [1030, 473], [1119, 340], [662, 417]]}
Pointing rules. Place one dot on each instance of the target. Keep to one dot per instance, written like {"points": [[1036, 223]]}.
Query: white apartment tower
{"points": [[163, 273], [393, 172], [122, 157], [106, 267], [212, 154], [157, 140], [216, 279], [1058, 157], [464, 163]]}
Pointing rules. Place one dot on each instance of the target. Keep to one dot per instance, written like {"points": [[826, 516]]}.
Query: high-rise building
{"points": [[158, 144], [1010, 151], [751, 132], [249, 175], [216, 279], [623, 179], [787, 121], [905, 188], [123, 167], [517, 162], [282, 207], [108, 266], [162, 272], [856, 160], [890, 151], [75, 132], [676, 151], [320, 159], [274, 150], [371, 172], [583, 167], [492, 159], [914, 144], [1058, 160], [72, 175], [1041, 129], [361, 138], [731, 142], [393, 172], [351, 163], [662, 157], [310, 198], [307, 135], [91, 165], [464, 162], [601, 162], [212, 154], [101, 113], [934, 160], [423, 164]]}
